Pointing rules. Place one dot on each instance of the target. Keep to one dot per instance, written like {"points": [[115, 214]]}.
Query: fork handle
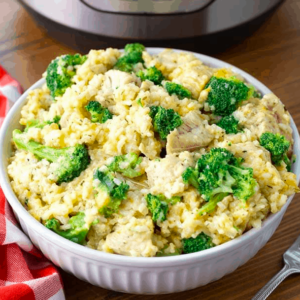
{"points": [[274, 282]]}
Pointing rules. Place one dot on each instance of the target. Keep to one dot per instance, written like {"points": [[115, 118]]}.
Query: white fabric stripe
{"points": [[10, 92], [15, 235], [7, 283], [58, 296], [38, 285]]}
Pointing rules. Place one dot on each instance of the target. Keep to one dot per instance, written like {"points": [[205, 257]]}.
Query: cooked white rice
{"points": [[131, 231]]}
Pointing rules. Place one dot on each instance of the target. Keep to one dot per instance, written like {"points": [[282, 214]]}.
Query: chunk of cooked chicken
{"points": [[265, 115], [194, 133], [115, 79], [134, 238], [114, 83]]}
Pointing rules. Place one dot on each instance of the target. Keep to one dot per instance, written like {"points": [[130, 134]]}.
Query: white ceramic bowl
{"points": [[136, 274]]}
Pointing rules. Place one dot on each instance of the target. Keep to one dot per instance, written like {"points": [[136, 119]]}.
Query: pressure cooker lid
{"points": [[147, 6]]}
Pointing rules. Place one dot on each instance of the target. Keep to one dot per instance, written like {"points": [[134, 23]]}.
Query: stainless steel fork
{"points": [[291, 265]]}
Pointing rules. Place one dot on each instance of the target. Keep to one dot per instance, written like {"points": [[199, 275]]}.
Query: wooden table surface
{"points": [[271, 54]]}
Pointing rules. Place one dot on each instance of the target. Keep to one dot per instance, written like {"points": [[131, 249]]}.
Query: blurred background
{"points": [[204, 25], [36, 31]]}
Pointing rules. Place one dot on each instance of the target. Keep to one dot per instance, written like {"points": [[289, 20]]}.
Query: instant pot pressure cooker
{"points": [[148, 20]]}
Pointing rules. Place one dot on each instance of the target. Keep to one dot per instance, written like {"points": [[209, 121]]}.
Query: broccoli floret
{"points": [[256, 94], [210, 206], [152, 74], [230, 124], [133, 55], [221, 172], [253, 93], [163, 252], [116, 190], [38, 124], [78, 231], [173, 200], [225, 95], [177, 89], [70, 161], [245, 183], [135, 47], [218, 174], [126, 164], [190, 176], [127, 62], [164, 120], [60, 72], [99, 114], [278, 146], [199, 243], [158, 205]]}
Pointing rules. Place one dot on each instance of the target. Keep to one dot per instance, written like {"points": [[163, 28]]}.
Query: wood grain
{"points": [[271, 54]]}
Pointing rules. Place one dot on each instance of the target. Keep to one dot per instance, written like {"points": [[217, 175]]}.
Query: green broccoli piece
{"points": [[256, 94], [164, 120], [253, 93], [139, 102], [225, 95], [38, 124], [199, 243], [278, 146], [173, 200], [162, 252], [152, 74], [56, 119], [210, 206], [190, 176], [178, 90], [218, 174], [127, 62], [78, 231], [70, 161], [99, 114], [117, 191], [135, 47], [126, 164], [230, 124], [133, 55], [221, 172], [158, 205], [60, 72]]}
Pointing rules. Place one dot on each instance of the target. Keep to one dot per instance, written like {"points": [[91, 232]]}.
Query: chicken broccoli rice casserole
{"points": [[150, 155]]}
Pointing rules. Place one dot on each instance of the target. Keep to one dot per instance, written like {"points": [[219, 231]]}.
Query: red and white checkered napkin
{"points": [[24, 272]]}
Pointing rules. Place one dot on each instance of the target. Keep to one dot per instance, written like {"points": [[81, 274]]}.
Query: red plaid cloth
{"points": [[24, 272]]}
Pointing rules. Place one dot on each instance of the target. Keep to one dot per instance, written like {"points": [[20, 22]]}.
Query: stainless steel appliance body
{"points": [[148, 6], [151, 19]]}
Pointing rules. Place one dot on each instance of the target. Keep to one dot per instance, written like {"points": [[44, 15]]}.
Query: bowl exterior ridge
{"points": [[140, 275], [160, 280]]}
